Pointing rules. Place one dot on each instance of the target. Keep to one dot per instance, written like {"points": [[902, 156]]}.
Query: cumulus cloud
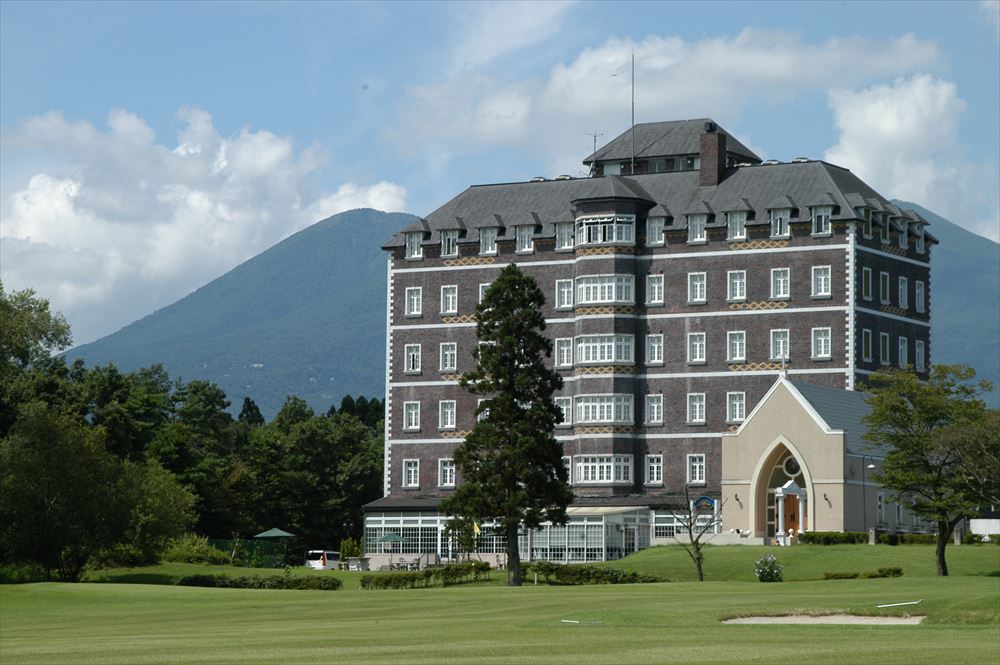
{"points": [[131, 224], [675, 78], [902, 138]]}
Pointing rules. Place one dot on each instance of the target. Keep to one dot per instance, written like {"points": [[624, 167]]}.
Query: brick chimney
{"points": [[712, 148]]}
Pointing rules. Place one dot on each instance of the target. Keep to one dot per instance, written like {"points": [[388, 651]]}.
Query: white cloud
{"points": [[991, 12], [493, 30], [675, 78], [902, 139], [133, 225]]}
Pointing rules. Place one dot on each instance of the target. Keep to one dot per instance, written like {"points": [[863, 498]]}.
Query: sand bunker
{"points": [[834, 619]]}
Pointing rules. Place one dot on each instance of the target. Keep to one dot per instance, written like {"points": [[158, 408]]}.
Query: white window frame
{"points": [[614, 289], [696, 409], [734, 337], [524, 238], [654, 409], [921, 241], [822, 343], [866, 226], [903, 292], [565, 235], [780, 219], [411, 473], [697, 229], [564, 294], [781, 283], [654, 231], [736, 406], [605, 230], [780, 337], [920, 296], [488, 240], [485, 413], [697, 288], [884, 229], [866, 283], [822, 282], [413, 300], [866, 345], [447, 414], [448, 357], [736, 286], [603, 469], [654, 349], [902, 352], [449, 299], [884, 288], [449, 242], [412, 363], [483, 288], [821, 225], [654, 289], [564, 352], [904, 239], [696, 469], [607, 409], [696, 351], [446, 472], [565, 405], [414, 247], [919, 360], [605, 349], [736, 225], [883, 349], [411, 416], [654, 470]]}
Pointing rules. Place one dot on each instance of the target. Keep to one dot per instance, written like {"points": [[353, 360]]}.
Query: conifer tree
{"points": [[510, 463]]}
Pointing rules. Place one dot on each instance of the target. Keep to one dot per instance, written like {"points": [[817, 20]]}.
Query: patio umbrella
{"points": [[390, 538]]}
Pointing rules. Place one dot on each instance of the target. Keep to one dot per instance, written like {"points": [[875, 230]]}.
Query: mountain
{"points": [[965, 299], [305, 317]]}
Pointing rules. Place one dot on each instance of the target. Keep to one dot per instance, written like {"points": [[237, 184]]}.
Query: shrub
{"points": [[21, 573], [465, 571], [767, 569], [974, 539], [122, 556], [886, 571], [351, 548], [833, 537], [907, 538], [576, 574], [399, 580], [305, 583], [546, 569], [190, 548], [841, 576]]}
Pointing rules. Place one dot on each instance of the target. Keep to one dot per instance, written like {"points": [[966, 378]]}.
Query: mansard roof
{"points": [[659, 139]]}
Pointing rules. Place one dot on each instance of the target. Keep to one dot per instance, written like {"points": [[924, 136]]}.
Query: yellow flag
{"points": [[475, 528]]}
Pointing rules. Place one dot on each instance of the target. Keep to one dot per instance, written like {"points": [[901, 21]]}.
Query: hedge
{"points": [[310, 583], [555, 573], [907, 538], [833, 537], [887, 571], [453, 573]]}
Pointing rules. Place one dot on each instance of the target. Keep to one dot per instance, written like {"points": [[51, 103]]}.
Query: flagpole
{"points": [[633, 111]]}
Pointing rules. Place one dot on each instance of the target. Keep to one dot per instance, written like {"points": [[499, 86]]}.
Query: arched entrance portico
{"points": [[780, 490]]}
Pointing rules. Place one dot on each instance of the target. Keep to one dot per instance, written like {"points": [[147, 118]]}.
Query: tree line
{"points": [[97, 464]]}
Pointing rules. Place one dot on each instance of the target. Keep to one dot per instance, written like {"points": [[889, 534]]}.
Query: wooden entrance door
{"points": [[791, 513]]}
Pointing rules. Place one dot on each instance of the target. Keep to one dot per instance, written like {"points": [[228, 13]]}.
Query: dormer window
{"points": [[564, 235], [524, 235], [821, 220], [696, 228], [736, 225], [449, 243], [779, 222], [884, 230], [413, 248], [867, 226], [654, 230], [488, 240], [920, 241], [904, 241], [605, 229]]}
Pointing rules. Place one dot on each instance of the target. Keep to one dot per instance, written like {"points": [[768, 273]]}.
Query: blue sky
{"points": [[149, 147]]}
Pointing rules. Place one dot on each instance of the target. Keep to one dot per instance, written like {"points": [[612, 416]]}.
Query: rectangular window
{"points": [[883, 287], [883, 348], [866, 345], [866, 283], [696, 408], [654, 409], [867, 227], [604, 409], [880, 507], [565, 405], [603, 469], [654, 230], [411, 416], [414, 301], [904, 296], [488, 240], [821, 220], [884, 230], [411, 354], [654, 289], [446, 414], [736, 407], [449, 299], [696, 469], [605, 289], [904, 240], [736, 225], [568, 465], [696, 347], [654, 469], [737, 290], [482, 290], [696, 228], [821, 343], [449, 356], [446, 472], [605, 229], [920, 241], [482, 413], [592, 349], [919, 359], [697, 287], [411, 473], [779, 344], [564, 235], [736, 346], [449, 243], [413, 248], [903, 347], [781, 282], [564, 352], [821, 282], [779, 222], [524, 234], [919, 297], [564, 294], [654, 349]]}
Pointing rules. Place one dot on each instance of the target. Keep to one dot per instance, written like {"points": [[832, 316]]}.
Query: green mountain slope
{"points": [[965, 299], [305, 317]]}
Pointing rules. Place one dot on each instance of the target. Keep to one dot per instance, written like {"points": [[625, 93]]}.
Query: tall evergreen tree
{"points": [[511, 464], [250, 414]]}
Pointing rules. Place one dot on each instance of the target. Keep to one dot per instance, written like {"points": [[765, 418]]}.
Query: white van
{"points": [[323, 559]]}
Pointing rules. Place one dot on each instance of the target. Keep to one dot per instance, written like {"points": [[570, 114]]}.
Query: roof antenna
{"points": [[784, 370], [594, 134]]}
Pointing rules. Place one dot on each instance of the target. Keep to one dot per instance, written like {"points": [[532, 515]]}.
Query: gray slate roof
{"points": [[753, 188], [659, 139], [842, 410]]}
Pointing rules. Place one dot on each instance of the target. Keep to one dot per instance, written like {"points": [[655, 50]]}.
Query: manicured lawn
{"points": [[656, 623]]}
